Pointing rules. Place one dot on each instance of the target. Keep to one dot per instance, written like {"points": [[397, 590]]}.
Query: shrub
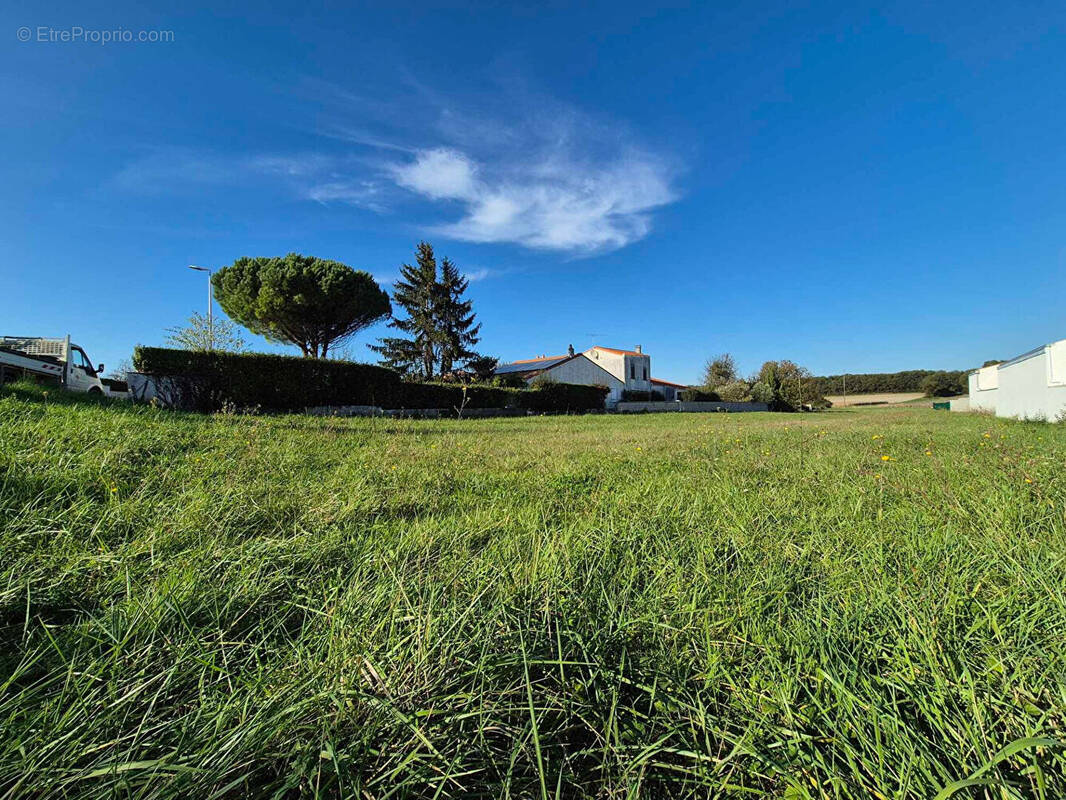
{"points": [[735, 392], [695, 395], [942, 384], [762, 393], [511, 380]]}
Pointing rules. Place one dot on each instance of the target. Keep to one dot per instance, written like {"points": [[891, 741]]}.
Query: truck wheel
{"points": [[96, 391]]}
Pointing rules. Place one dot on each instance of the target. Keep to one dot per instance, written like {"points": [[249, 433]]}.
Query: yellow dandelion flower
{"points": [[928, 452], [988, 435], [877, 475], [1028, 480], [886, 458]]}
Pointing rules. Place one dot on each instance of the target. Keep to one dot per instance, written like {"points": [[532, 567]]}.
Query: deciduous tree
{"points": [[200, 334], [719, 371]]}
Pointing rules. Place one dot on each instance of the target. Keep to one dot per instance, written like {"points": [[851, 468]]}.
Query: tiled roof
{"points": [[531, 364], [668, 383], [538, 358]]}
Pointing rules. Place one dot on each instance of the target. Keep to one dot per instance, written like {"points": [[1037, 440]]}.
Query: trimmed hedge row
{"points": [[696, 395], [207, 381], [638, 395]]}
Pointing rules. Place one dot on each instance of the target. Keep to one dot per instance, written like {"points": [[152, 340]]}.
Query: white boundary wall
{"points": [[1031, 386], [984, 383]]}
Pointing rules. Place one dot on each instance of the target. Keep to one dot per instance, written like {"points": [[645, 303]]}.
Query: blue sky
{"points": [[857, 189]]}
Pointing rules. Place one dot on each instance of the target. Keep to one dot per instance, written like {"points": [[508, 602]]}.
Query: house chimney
{"points": [[638, 349], [570, 350]]}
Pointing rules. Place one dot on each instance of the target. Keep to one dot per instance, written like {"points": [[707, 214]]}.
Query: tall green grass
{"points": [[864, 603]]}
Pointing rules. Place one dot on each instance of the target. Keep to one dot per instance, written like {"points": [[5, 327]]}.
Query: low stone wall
{"points": [[655, 406]]}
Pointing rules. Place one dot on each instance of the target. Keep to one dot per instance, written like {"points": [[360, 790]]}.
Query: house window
{"points": [[645, 373], [633, 371]]}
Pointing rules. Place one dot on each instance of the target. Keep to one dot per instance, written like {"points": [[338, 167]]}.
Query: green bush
{"points": [[735, 392], [943, 384], [696, 395], [762, 393], [206, 381]]}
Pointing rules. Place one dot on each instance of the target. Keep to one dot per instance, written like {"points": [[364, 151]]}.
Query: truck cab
{"points": [[81, 375], [50, 360]]}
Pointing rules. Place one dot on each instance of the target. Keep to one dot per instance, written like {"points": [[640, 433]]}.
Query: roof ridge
{"points": [[538, 358]]}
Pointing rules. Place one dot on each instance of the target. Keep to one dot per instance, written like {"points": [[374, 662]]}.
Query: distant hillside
{"points": [[879, 382]]}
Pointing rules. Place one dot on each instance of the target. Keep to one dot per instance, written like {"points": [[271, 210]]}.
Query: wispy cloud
{"points": [[505, 167], [551, 202], [481, 274], [319, 177], [537, 173]]}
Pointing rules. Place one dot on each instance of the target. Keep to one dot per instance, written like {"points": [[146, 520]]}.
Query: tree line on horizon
{"points": [[721, 377]]}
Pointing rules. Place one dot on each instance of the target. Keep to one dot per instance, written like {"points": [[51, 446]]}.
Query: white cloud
{"points": [[439, 174], [557, 191], [480, 274], [357, 193], [528, 171], [580, 208]]}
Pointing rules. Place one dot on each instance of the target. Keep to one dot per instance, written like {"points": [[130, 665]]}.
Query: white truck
{"points": [[53, 360]]}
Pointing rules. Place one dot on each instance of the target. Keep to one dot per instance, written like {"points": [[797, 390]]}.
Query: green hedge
{"points": [[269, 381], [562, 398], [694, 395], [207, 381]]}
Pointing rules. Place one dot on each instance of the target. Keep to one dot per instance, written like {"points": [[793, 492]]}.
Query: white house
{"points": [[1031, 386], [618, 370]]}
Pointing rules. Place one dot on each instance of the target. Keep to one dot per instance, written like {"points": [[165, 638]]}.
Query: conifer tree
{"points": [[440, 327], [455, 320], [416, 293]]}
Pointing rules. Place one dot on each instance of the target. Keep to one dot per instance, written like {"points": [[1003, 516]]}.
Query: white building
{"points": [[984, 384], [1031, 386], [618, 370]]}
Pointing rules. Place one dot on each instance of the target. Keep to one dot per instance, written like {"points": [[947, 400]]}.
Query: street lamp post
{"points": [[210, 306]]}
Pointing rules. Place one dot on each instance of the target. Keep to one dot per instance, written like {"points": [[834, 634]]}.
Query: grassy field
{"points": [[860, 603], [883, 398]]}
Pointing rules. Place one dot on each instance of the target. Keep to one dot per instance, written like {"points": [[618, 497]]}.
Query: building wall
{"points": [[983, 399], [586, 372], [622, 366], [1028, 388]]}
